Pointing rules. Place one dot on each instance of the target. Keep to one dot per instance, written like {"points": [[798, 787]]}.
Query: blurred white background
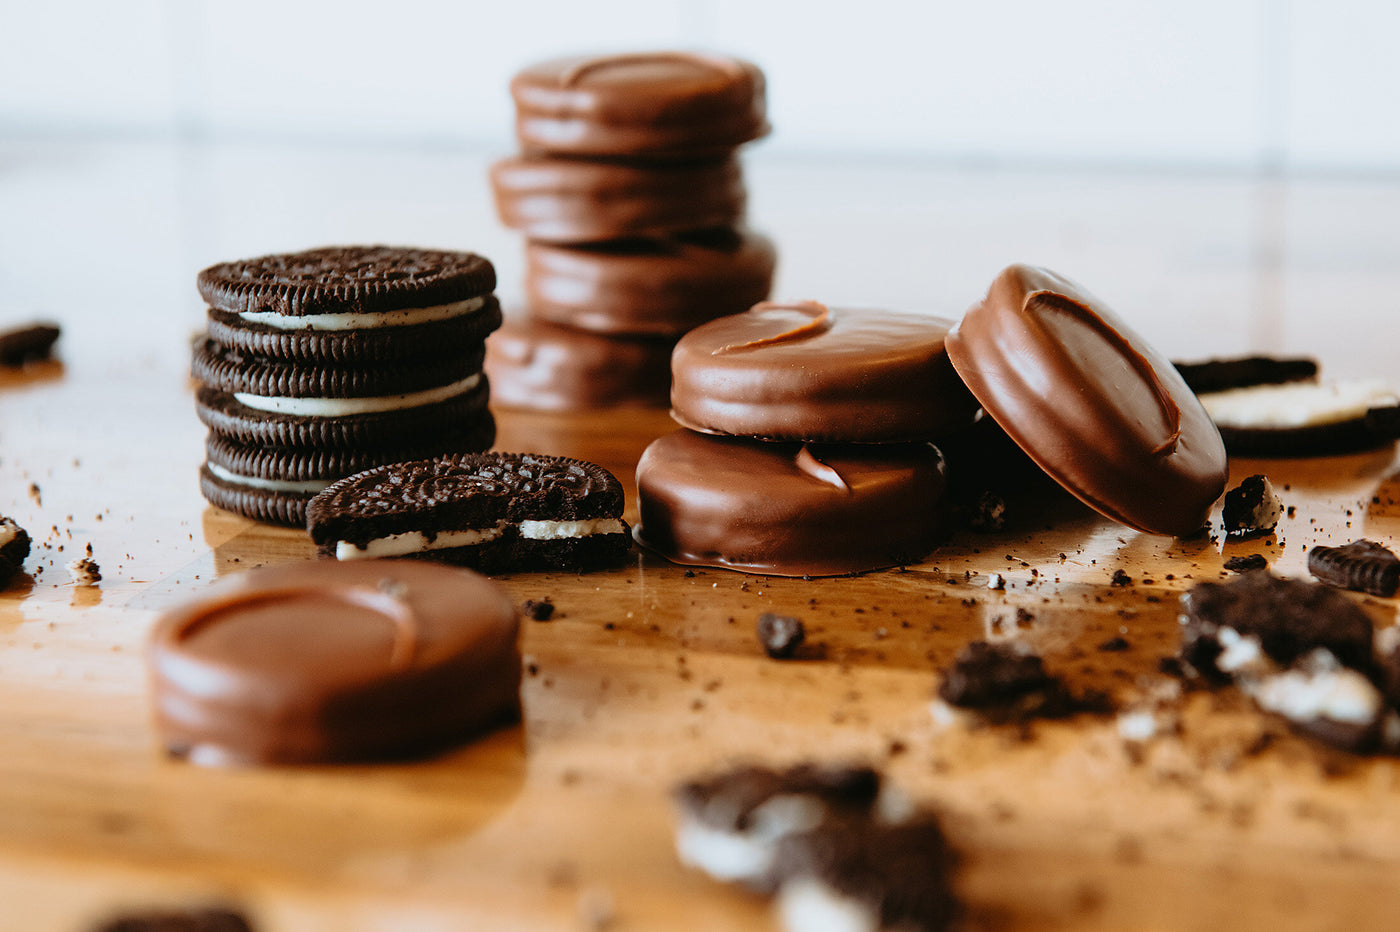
{"points": [[1308, 85]]}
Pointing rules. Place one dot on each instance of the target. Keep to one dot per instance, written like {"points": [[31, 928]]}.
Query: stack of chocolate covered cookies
{"points": [[630, 192], [320, 364], [807, 443]]}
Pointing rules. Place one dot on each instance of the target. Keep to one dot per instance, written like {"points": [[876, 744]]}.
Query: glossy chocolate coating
{"points": [[655, 287], [544, 367], [573, 201], [801, 371], [1091, 402], [787, 509], [649, 104], [314, 662]]}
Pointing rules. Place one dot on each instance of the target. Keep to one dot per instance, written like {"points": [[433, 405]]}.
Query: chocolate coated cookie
{"points": [[803, 371], [647, 104]]}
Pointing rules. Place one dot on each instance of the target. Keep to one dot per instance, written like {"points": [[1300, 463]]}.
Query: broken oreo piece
{"points": [[1362, 566], [780, 635], [1321, 698], [14, 548], [497, 512], [1218, 375], [1252, 507], [1259, 621], [30, 343], [985, 674], [867, 876], [1246, 564], [730, 823]]}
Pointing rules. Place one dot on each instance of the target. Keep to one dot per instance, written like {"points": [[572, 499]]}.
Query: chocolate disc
{"points": [[1091, 402], [787, 509], [651, 104], [571, 201], [543, 367], [802, 371], [315, 662], [654, 287]]}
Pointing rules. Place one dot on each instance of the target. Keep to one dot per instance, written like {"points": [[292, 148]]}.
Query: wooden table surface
{"points": [[648, 674]]}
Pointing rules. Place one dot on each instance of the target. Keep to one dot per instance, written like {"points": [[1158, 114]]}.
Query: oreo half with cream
{"points": [[496, 512]]}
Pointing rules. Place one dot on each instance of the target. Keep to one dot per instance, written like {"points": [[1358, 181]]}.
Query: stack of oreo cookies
{"points": [[631, 195], [320, 364]]}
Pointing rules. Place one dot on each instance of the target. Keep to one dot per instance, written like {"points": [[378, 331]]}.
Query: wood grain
{"points": [[646, 675]]}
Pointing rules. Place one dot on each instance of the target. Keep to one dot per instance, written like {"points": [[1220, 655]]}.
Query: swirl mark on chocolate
{"points": [[726, 67], [808, 462], [819, 322]]}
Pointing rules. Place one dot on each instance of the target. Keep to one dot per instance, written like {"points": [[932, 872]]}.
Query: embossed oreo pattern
{"points": [[341, 279]]}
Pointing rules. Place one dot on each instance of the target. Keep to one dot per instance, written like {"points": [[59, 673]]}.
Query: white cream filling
{"points": [[400, 318], [1297, 404], [808, 905], [728, 854], [397, 545], [562, 530], [309, 486], [1333, 695], [1240, 653], [337, 407]]}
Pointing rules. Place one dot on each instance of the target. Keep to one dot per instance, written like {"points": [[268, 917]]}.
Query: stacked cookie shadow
{"points": [[630, 193], [806, 443], [320, 364]]}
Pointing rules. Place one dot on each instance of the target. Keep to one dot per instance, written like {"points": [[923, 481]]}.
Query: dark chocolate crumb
{"points": [[780, 635], [538, 609], [1120, 578], [1255, 561], [1115, 644], [689, 574]]}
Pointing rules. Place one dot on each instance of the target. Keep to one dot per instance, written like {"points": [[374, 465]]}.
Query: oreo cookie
{"points": [[351, 303], [1218, 375], [274, 484], [497, 512], [1362, 565], [14, 548], [1306, 418], [322, 363]]}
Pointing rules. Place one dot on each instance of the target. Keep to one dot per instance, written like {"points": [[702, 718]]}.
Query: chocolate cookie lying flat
{"points": [[334, 662], [494, 511]]}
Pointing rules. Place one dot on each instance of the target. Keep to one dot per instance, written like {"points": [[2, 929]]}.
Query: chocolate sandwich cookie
{"points": [[572, 201], [14, 549], [1306, 418], [1101, 411], [1362, 565], [647, 104], [257, 400], [656, 287], [543, 367], [803, 371], [352, 304], [324, 662], [274, 484], [494, 511], [1218, 375], [788, 509]]}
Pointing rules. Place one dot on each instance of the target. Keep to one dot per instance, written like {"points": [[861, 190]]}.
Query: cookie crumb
{"points": [[84, 570], [780, 635], [538, 609], [1120, 578], [1255, 561]]}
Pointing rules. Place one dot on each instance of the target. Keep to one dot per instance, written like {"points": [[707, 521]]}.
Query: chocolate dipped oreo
{"points": [[803, 371], [788, 509], [641, 104], [541, 366], [655, 287], [497, 512], [574, 201], [1362, 565], [327, 662], [1091, 402]]}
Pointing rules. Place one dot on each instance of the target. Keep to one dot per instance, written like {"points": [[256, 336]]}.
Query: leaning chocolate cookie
{"points": [[803, 371], [640, 104], [324, 662], [498, 512], [351, 304], [14, 548], [789, 509]]}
